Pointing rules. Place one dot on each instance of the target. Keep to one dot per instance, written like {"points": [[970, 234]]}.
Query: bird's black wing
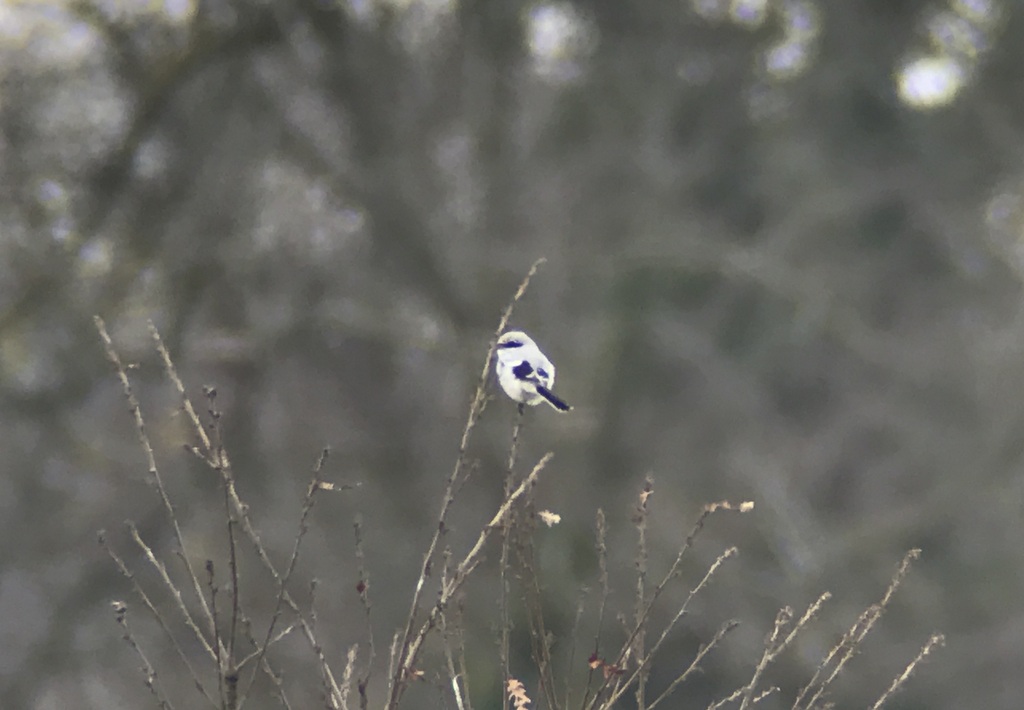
{"points": [[524, 371]]}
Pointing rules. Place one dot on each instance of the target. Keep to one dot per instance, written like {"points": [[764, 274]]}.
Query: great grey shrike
{"points": [[524, 372]]}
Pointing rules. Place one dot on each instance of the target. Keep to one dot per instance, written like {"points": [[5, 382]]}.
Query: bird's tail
{"points": [[552, 399]]}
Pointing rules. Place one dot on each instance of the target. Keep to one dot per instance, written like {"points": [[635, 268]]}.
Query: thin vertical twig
{"points": [[217, 444], [642, 514], [363, 588], [504, 643], [399, 666]]}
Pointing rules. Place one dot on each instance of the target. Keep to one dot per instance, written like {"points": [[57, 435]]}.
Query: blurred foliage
{"points": [[784, 264]]}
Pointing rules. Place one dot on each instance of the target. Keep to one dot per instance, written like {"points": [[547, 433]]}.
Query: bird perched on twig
{"points": [[524, 372]]}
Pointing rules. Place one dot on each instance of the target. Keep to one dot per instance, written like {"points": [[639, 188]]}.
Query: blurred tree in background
{"points": [[784, 264]]}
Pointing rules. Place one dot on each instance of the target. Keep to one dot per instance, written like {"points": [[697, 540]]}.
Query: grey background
{"points": [[781, 267]]}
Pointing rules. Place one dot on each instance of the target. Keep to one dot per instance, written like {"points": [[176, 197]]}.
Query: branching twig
{"points": [[307, 507], [778, 641], [154, 472], [217, 459], [703, 651], [164, 626], [450, 587], [121, 610], [851, 640], [673, 571], [645, 661], [175, 592]]}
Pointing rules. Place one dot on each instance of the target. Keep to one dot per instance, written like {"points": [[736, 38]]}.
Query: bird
{"points": [[524, 372]]}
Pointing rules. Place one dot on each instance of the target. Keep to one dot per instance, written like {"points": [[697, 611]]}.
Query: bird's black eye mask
{"points": [[511, 344]]}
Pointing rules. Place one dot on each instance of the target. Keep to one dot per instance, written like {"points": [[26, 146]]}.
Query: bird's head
{"points": [[513, 339]]}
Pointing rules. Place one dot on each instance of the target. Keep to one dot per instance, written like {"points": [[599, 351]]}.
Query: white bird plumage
{"points": [[524, 372]]}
